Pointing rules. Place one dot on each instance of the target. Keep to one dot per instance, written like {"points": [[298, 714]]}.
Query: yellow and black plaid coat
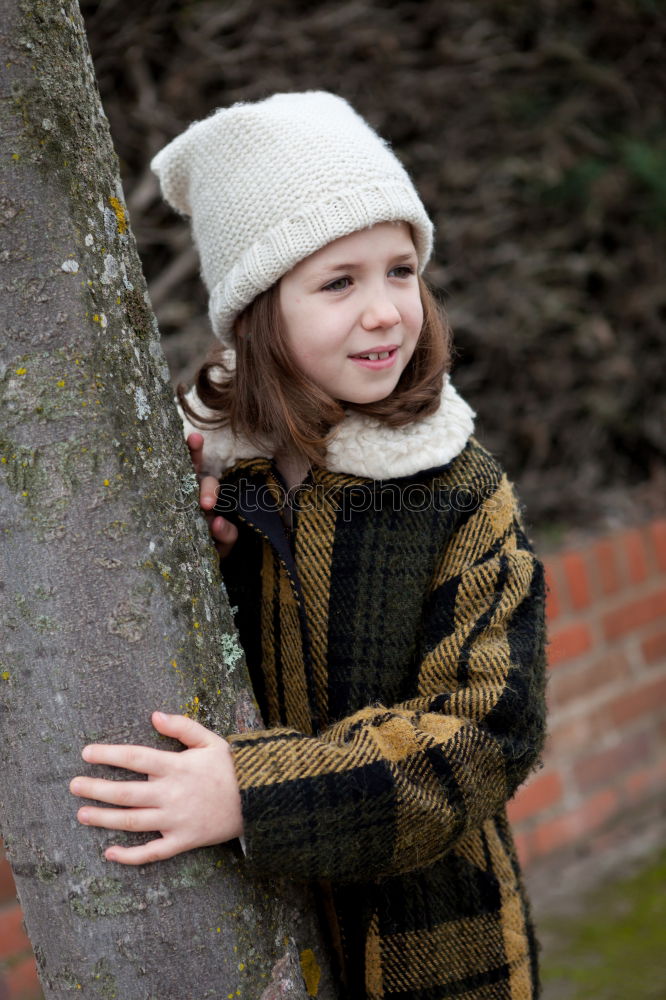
{"points": [[395, 639]]}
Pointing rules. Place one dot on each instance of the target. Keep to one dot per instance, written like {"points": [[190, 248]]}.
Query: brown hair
{"points": [[267, 395]]}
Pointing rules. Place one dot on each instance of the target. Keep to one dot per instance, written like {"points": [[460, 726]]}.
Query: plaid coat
{"points": [[395, 639]]}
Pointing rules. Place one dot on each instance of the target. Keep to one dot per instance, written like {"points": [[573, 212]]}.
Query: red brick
{"points": [[658, 537], [13, 939], [535, 796], [23, 981], [568, 643], [7, 888], [635, 556], [566, 739], [580, 822], [644, 700], [642, 784], [607, 765], [523, 851], [654, 648], [634, 614], [552, 599], [606, 561], [578, 587], [574, 683]]}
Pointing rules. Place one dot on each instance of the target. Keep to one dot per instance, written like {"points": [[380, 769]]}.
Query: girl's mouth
{"points": [[377, 360]]}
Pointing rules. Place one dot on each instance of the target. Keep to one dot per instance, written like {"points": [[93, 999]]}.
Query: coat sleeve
{"points": [[392, 788]]}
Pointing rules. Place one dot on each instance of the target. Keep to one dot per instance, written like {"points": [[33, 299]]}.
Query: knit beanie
{"points": [[268, 183]]}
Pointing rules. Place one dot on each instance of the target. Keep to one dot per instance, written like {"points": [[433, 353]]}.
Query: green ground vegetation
{"points": [[615, 948]]}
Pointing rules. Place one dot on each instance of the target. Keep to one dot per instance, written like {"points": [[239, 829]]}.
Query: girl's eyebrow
{"points": [[358, 265]]}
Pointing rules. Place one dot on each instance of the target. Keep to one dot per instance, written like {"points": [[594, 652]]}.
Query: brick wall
{"points": [[605, 753], [18, 974]]}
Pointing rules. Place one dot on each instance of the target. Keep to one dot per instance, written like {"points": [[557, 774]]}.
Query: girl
{"points": [[388, 598]]}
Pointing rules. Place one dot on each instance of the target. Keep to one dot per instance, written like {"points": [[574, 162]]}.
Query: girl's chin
{"points": [[361, 399], [373, 391]]}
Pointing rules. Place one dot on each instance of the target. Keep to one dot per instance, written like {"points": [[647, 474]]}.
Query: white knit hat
{"points": [[266, 184]]}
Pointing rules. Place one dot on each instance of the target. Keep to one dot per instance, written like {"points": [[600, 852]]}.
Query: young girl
{"points": [[389, 600]]}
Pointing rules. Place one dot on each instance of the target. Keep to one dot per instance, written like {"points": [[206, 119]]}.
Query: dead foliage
{"points": [[536, 135]]}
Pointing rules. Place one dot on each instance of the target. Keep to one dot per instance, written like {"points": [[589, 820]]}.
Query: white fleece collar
{"points": [[362, 446]]}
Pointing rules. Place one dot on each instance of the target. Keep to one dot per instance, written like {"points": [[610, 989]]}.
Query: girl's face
{"points": [[357, 296]]}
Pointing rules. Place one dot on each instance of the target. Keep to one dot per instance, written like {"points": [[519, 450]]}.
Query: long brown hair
{"points": [[268, 396]]}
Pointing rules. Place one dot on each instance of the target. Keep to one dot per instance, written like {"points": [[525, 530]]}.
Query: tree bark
{"points": [[110, 586]]}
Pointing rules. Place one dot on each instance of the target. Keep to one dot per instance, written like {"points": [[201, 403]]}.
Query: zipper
{"points": [[289, 565], [290, 530]]}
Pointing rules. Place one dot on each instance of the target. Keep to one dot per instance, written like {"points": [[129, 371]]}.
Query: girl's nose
{"points": [[380, 311]]}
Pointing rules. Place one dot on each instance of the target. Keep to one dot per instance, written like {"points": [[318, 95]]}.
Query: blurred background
{"points": [[536, 135]]}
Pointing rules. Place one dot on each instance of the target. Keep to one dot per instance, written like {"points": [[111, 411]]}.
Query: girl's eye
{"points": [[341, 284], [338, 285]]}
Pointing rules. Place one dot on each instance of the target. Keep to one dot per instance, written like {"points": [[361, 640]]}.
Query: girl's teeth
{"points": [[376, 357]]}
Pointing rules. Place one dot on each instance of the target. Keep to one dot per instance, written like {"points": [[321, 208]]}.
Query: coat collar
{"points": [[365, 446], [362, 446]]}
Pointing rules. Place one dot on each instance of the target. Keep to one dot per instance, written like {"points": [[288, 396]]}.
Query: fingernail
{"points": [[161, 717], [75, 786], [85, 753], [83, 816]]}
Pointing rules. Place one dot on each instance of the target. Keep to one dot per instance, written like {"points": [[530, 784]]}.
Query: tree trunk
{"points": [[109, 583]]}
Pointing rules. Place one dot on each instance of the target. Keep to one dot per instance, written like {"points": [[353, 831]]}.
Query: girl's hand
{"points": [[191, 797], [224, 533]]}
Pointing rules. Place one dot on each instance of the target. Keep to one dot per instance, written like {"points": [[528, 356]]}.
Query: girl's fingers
{"points": [[208, 491], [179, 727], [145, 760], [130, 820], [195, 444], [143, 854], [118, 793], [224, 534], [223, 531]]}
